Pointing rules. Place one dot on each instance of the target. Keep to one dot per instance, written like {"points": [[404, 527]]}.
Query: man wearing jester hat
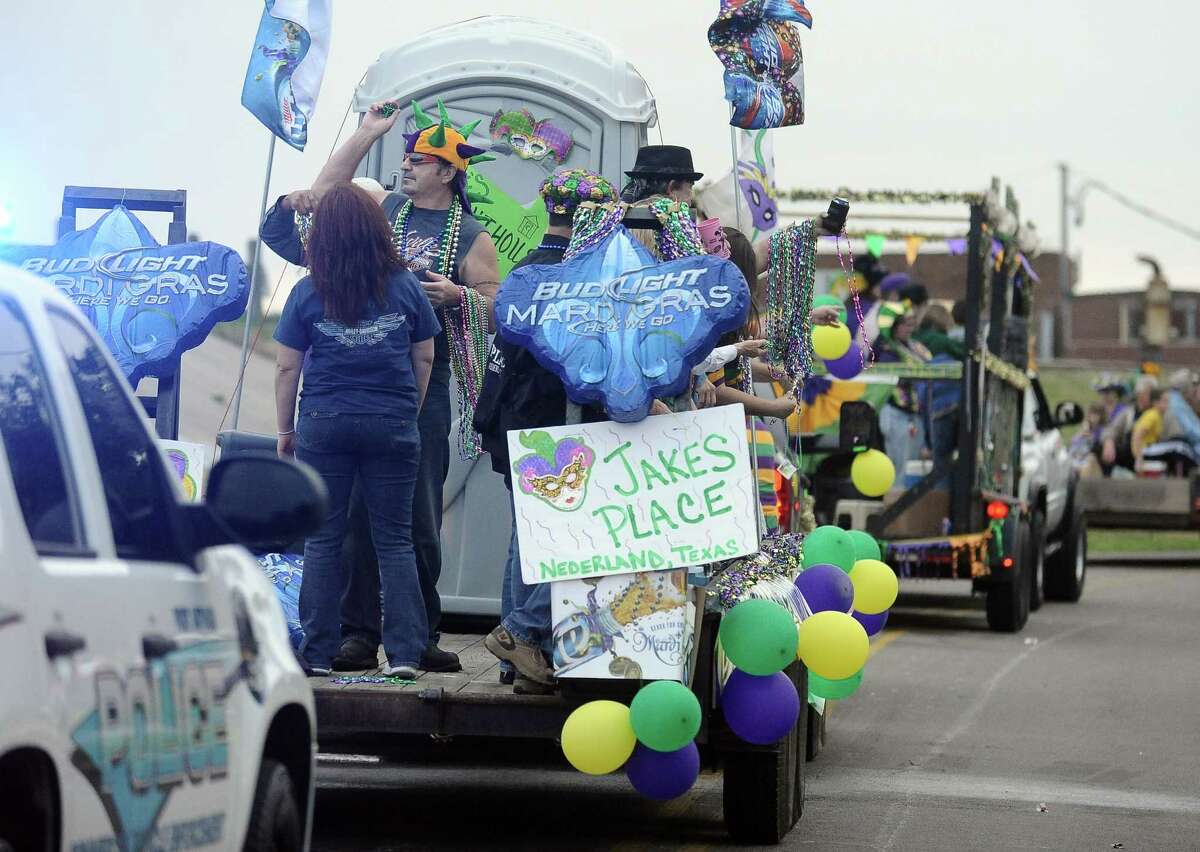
{"points": [[455, 258]]}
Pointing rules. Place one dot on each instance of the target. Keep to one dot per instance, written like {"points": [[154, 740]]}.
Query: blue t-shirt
{"points": [[365, 368]]}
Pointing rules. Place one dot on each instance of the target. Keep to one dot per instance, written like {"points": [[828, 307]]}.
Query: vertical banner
{"points": [[287, 65], [602, 499], [755, 187]]}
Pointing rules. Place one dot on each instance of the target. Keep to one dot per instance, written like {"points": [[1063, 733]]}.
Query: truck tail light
{"points": [[997, 510]]}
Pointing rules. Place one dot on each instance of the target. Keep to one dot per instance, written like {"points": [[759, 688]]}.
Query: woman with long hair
{"points": [[368, 330]]}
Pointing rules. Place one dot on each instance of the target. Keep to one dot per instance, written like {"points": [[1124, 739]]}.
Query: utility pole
{"points": [[1064, 263]]}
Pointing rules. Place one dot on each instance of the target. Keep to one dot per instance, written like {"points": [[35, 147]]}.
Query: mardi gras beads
{"points": [[592, 224], [679, 236], [865, 352], [468, 359], [793, 254]]}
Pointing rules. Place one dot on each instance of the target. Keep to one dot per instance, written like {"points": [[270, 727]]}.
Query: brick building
{"points": [[1105, 326]]}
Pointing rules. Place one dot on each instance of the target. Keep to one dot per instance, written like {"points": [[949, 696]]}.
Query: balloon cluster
{"points": [[849, 589], [653, 738], [841, 353]]}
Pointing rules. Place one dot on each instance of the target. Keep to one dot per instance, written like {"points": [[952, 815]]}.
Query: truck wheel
{"points": [[763, 790], [1036, 560], [1067, 569], [1008, 599], [275, 824], [815, 741]]}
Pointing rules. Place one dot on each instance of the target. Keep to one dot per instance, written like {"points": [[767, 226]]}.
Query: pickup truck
{"points": [[1057, 544], [154, 701]]}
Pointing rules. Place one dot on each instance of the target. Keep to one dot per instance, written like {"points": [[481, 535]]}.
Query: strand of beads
{"points": [[304, 223], [793, 255], [468, 358], [865, 352], [679, 236], [592, 224]]}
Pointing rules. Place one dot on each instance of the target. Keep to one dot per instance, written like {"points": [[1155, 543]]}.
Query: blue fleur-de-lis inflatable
{"points": [[618, 327]]}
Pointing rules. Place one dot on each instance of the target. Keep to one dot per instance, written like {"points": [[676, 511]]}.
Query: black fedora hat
{"points": [[671, 162]]}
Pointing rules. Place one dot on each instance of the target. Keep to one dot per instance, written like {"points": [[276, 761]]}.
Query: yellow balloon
{"points": [[831, 341], [875, 586], [833, 644], [873, 473], [597, 737]]}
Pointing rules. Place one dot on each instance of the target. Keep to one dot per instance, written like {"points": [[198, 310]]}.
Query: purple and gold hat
{"points": [[566, 189]]}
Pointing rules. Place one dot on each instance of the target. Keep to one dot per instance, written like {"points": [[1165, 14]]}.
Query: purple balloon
{"points": [[663, 775], [871, 623], [826, 587], [848, 366], [760, 710]]}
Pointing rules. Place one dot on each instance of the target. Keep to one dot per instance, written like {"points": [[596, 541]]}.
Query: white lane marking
{"points": [[838, 783]]}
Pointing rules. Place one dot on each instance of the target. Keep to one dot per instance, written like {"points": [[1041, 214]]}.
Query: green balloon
{"points": [[865, 546], [834, 689], [829, 545], [759, 637], [665, 715]]}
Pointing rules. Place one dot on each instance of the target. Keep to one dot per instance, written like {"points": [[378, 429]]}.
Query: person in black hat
{"points": [[661, 170]]}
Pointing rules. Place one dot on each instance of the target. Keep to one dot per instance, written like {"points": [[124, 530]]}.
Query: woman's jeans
{"points": [[903, 436], [384, 452]]}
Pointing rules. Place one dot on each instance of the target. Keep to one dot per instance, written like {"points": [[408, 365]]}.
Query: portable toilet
{"points": [[546, 97]]}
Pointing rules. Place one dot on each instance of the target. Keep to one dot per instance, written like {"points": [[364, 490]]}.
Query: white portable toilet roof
{"points": [[517, 49]]}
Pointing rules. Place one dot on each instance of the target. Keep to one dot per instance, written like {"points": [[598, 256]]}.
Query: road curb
{"points": [[1166, 559]]}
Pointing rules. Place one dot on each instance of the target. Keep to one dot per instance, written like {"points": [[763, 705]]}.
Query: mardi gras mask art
{"points": [[555, 472], [530, 138]]}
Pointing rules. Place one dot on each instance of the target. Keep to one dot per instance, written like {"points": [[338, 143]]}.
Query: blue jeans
{"points": [[903, 436], [384, 453], [360, 604], [524, 610]]}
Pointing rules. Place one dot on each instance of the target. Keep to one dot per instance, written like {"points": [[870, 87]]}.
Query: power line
{"points": [[1136, 207]]}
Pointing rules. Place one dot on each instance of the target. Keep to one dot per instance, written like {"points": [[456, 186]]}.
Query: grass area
{"points": [[1142, 541], [232, 331]]}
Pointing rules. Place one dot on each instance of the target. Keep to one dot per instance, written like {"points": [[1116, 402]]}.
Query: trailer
{"points": [[987, 512]]}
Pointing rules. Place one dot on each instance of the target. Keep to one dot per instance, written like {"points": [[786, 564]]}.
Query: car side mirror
{"points": [[1068, 414], [267, 503]]}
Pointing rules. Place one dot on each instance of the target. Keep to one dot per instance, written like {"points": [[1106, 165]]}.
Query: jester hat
{"points": [[441, 139]]}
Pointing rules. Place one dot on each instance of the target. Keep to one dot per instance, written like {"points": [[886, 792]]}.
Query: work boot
{"points": [[355, 655], [526, 657], [434, 659]]}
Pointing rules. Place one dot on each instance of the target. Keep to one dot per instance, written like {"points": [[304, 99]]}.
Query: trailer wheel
{"points": [[1067, 569], [1008, 598], [763, 789], [1036, 550]]}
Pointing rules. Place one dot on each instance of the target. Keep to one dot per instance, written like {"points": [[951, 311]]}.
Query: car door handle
{"points": [[155, 645], [63, 643]]}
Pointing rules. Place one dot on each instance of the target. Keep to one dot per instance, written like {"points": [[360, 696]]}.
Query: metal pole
{"points": [[737, 206], [237, 391], [1064, 262]]}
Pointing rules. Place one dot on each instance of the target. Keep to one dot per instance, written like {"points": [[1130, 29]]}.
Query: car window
{"points": [[28, 424], [135, 487]]}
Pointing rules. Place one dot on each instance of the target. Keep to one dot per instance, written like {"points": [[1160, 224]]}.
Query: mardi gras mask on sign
{"points": [[555, 472], [619, 328]]}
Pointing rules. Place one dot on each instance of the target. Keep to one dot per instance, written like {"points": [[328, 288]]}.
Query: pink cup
{"points": [[713, 237]]}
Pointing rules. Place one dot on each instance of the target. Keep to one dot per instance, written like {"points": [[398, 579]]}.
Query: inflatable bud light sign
{"points": [[618, 327], [150, 303]]}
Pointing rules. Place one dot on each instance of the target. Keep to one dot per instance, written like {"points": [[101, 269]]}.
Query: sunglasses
{"points": [[421, 159]]}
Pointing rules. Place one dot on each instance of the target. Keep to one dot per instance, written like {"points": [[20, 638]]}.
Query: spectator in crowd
{"points": [[1085, 440], [934, 333], [903, 419], [1112, 447], [368, 328], [1148, 429]]}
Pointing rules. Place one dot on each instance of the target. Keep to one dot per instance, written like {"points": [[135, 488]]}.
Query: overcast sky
{"points": [[941, 94]]}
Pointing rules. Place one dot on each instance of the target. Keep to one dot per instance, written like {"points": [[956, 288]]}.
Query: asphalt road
{"points": [[1080, 733]]}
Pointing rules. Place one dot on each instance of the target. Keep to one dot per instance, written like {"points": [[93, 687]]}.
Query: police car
{"points": [[151, 698]]}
